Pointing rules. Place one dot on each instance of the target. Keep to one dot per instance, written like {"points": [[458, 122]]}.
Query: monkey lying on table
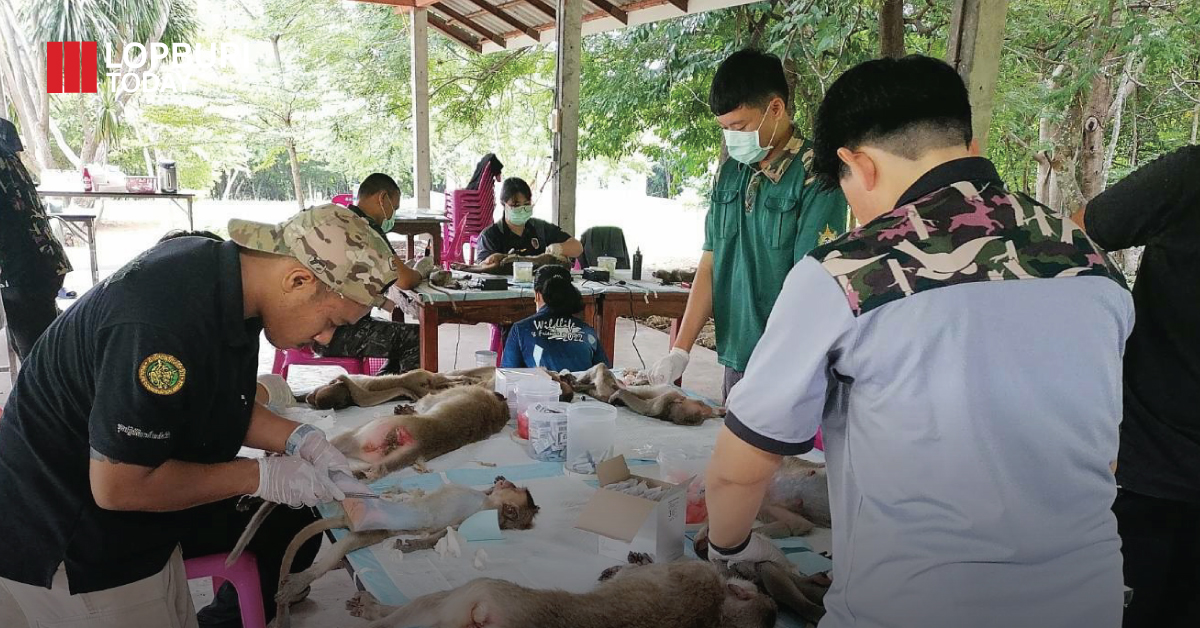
{"points": [[503, 264], [687, 594], [358, 390], [439, 424], [660, 402], [364, 391], [448, 506]]}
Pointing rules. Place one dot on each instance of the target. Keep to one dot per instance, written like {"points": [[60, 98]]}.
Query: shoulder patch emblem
{"points": [[162, 374], [826, 236]]}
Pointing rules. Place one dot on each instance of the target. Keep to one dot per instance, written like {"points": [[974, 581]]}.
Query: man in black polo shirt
{"points": [[134, 404], [1158, 465], [519, 232], [378, 202]]}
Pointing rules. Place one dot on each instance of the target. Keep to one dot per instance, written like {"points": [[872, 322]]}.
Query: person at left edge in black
{"points": [[32, 261], [519, 232]]}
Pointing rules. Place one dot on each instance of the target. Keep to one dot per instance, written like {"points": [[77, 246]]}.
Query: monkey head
{"points": [[513, 503], [687, 411], [332, 396], [745, 607]]}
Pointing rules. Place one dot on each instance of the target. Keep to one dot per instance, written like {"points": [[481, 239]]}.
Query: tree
{"points": [[115, 23]]}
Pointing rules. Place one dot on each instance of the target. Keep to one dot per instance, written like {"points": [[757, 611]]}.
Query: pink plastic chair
{"points": [[287, 358], [243, 575], [342, 199], [469, 213], [819, 442]]}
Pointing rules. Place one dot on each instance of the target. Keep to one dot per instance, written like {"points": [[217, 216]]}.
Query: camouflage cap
{"points": [[333, 242]]}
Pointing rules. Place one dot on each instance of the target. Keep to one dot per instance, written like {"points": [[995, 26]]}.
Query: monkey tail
{"points": [[251, 529]]}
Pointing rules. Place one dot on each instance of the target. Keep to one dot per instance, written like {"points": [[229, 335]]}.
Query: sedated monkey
{"points": [[361, 390], [448, 506], [642, 595], [504, 265], [440, 424], [660, 402]]}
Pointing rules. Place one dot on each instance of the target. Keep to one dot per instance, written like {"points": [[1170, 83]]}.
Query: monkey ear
{"points": [[739, 592], [508, 511]]}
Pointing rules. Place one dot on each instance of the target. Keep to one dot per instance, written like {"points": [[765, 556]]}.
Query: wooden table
{"points": [[501, 307], [175, 198], [638, 299], [83, 226], [411, 225]]}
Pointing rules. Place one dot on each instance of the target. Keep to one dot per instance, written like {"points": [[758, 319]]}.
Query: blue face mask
{"points": [[743, 146], [518, 215], [390, 221]]}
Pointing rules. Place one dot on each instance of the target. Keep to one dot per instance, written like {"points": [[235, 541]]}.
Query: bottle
{"points": [[637, 264], [87, 180]]}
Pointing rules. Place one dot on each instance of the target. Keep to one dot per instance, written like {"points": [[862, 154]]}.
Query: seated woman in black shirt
{"points": [[518, 232]]}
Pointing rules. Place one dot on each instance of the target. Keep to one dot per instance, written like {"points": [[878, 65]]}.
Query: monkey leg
{"points": [[778, 583], [423, 611], [655, 408], [365, 605], [291, 586], [428, 541], [784, 523], [283, 617]]}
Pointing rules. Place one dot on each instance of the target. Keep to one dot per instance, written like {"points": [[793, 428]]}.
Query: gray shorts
{"points": [[731, 377]]}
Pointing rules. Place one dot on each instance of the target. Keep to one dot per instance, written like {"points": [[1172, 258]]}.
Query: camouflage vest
{"points": [[956, 235]]}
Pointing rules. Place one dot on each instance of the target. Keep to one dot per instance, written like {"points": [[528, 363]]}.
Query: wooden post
{"points": [[976, 40], [420, 103], [568, 36]]}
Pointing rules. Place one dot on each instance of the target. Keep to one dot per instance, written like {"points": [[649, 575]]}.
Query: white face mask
{"points": [[743, 146]]}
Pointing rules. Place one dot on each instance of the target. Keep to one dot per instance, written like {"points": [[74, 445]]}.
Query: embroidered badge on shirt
{"points": [[826, 236], [162, 374]]}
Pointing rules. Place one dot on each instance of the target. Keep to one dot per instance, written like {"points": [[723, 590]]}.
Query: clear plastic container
{"points": [[530, 392], [548, 430], [485, 358], [677, 464], [591, 435], [523, 272]]}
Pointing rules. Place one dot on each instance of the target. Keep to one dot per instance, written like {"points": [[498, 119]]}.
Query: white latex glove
{"points": [[295, 482], [279, 394], [669, 369], [310, 443], [759, 550]]}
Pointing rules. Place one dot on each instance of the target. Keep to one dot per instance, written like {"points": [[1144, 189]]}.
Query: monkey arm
{"points": [[781, 586], [429, 541]]}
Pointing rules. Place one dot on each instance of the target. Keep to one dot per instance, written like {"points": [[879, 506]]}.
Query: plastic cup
{"points": [[523, 272], [485, 358], [591, 436], [676, 464], [607, 263], [548, 430], [530, 392]]}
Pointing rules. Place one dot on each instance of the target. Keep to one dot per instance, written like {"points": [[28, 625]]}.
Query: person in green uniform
{"points": [[767, 213]]}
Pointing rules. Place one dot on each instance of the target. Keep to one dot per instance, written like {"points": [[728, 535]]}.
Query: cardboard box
{"points": [[626, 523]]}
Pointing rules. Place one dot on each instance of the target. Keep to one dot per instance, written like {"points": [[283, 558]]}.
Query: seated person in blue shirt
{"points": [[519, 232], [553, 338]]}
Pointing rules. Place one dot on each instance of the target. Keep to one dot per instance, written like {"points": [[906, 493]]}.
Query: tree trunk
{"points": [[1128, 83], [229, 181], [1195, 122], [23, 86], [1095, 116], [289, 138], [891, 29]]}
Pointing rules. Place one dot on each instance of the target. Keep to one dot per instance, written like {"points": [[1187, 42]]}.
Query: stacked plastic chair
{"points": [[469, 212]]}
